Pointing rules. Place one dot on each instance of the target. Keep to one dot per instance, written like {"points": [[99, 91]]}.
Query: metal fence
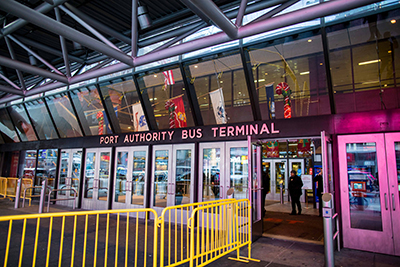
{"points": [[194, 234]]}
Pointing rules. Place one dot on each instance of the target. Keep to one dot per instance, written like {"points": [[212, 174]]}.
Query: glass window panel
{"points": [[30, 165], [226, 73], [120, 183], [138, 177], [104, 176], [64, 115], [239, 172], [280, 174], [89, 174], [211, 173], [7, 128], [88, 102], [300, 64], [183, 176], [76, 170], [161, 178], [22, 123], [397, 151], [363, 179], [41, 120], [46, 166], [123, 95], [62, 182], [159, 92]]}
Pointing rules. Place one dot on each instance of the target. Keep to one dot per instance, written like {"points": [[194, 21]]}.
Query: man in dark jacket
{"points": [[295, 184], [319, 188], [266, 187]]}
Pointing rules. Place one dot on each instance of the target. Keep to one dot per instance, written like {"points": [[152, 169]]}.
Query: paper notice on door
{"points": [[307, 181]]}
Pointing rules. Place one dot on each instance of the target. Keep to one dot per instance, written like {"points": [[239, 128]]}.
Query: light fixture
{"points": [[370, 82], [155, 75], [393, 21], [32, 60], [143, 17], [304, 73], [129, 127], [221, 81], [195, 66], [369, 62], [266, 73], [309, 40], [321, 64], [261, 80]]}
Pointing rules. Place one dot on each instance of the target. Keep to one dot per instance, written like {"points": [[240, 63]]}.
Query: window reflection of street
{"points": [[160, 178], [211, 174]]}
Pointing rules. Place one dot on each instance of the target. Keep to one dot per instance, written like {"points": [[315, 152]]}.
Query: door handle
{"points": [[386, 206], [393, 203]]}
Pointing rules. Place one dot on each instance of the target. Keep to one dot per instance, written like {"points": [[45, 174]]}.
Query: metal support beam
{"points": [[10, 90], [56, 27], [196, 11], [275, 11], [134, 32], [89, 28], [241, 12], [33, 53], [48, 49], [109, 110], [19, 23], [20, 66], [80, 114], [329, 81], [179, 38], [10, 82], [192, 96], [248, 74], [19, 74], [212, 11], [63, 46], [98, 25]]}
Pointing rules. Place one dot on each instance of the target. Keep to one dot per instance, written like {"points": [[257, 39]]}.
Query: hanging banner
{"points": [[284, 89], [177, 115], [304, 147], [168, 78], [100, 119], [272, 149], [218, 103], [139, 120], [269, 89]]}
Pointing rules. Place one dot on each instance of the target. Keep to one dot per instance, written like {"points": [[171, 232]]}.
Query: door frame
{"points": [[362, 239], [94, 203]]}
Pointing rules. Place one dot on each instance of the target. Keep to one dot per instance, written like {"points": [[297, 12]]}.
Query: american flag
{"points": [[168, 77]]}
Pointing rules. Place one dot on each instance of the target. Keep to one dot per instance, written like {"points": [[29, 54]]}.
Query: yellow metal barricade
{"points": [[174, 233], [84, 238], [219, 229], [11, 186], [3, 187]]}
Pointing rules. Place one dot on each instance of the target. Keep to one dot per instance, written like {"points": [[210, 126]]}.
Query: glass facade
{"points": [[363, 63]]}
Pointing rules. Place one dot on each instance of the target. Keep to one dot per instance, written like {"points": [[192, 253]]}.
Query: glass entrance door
{"points": [[172, 179], [238, 175], [277, 170], [130, 177], [96, 182], [365, 196], [69, 175]]}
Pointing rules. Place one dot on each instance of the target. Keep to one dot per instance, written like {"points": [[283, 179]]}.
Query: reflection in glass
{"points": [[161, 178], [138, 177], [29, 164], [64, 116], [120, 183], [62, 182], [364, 197], [89, 174], [76, 170], [6, 127], [183, 176], [69, 171], [46, 166], [280, 174], [239, 172], [22, 123], [41, 120], [211, 173], [104, 175]]}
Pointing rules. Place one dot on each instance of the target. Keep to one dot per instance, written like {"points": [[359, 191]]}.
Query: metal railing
{"points": [[219, 229], [61, 199], [197, 233], [336, 235], [114, 234], [31, 196], [8, 186], [3, 187]]}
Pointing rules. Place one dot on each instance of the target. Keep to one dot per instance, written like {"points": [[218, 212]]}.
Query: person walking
{"points": [[266, 187], [295, 184]]}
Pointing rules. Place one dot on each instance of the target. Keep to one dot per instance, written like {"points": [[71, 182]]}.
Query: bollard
{"points": [[281, 188], [18, 193], [42, 195], [328, 229]]}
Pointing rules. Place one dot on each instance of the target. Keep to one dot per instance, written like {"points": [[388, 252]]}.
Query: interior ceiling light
{"points": [[309, 40], [369, 62], [393, 21], [143, 17], [304, 73]]}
